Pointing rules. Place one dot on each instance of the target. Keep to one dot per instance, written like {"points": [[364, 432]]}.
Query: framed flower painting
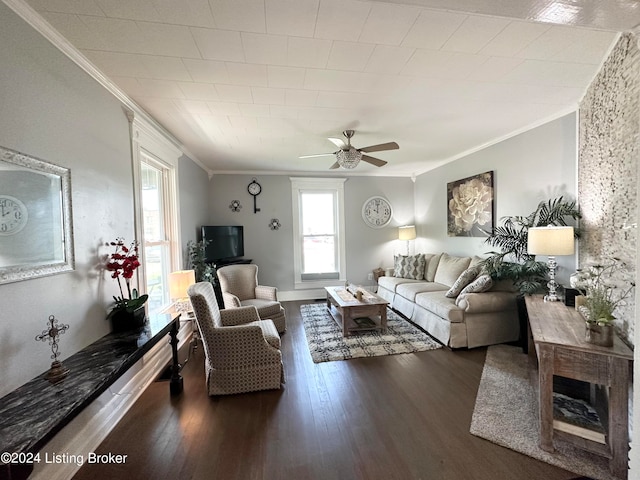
{"points": [[470, 206]]}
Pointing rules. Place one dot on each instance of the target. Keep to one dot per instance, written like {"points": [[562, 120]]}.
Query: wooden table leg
{"points": [[383, 318], [545, 400], [619, 417], [346, 316]]}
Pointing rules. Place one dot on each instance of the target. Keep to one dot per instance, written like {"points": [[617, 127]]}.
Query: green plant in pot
{"points": [[128, 310], [606, 286], [513, 262], [204, 271]]}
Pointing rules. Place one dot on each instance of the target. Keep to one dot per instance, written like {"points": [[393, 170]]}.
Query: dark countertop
{"points": [[33, 413]]}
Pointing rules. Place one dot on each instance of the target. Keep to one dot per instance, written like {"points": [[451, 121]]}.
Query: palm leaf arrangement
{"points": [[512, 261]]}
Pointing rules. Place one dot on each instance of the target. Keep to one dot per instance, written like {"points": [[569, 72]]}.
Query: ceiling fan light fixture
{"points": [[349, 158]]}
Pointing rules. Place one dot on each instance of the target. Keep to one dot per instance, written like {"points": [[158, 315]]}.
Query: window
{"points": [[155, 165], [318, 229], [156, 241]]}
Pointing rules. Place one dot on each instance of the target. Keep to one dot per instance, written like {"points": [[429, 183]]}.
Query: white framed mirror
{"points": [[36, 234]]}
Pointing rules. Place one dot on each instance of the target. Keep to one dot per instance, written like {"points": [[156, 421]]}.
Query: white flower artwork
{"points": [[470, 206]]}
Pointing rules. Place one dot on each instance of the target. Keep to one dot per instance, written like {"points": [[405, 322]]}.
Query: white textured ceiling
{"points": [[250, 85]]}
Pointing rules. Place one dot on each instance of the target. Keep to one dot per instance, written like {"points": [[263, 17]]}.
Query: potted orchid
{"points": [[128, 311]]}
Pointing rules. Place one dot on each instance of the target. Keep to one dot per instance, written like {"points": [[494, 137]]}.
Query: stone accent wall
{"points": [[609, 134]]}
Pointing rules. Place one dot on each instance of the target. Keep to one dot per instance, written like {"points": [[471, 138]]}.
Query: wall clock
{"points": [[13, 215], [377, 212], [254, 188]]}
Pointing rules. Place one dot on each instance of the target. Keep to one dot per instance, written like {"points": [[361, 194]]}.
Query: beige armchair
{"points": [[242, 352], [239, 285]]}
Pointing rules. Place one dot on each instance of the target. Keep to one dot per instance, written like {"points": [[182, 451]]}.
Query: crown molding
{"points": [[44, 28]]}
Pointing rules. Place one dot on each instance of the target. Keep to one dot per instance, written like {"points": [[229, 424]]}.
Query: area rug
{"points": [[326, 342], [506, 413]]}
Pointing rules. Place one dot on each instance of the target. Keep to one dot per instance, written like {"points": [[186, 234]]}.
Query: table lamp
{"points": [[407, 233], [178, 283], [551, 241]]}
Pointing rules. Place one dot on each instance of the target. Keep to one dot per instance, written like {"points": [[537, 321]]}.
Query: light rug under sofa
{"points": [[326, 342], [506, 413]]}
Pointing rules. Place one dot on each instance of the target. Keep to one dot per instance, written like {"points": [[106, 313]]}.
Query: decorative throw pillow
{"points": [[479, 285], [465, 278], [411, 267]]}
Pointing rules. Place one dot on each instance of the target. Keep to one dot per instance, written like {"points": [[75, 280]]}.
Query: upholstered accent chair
{"points": [[242, 352], [239, 285]]}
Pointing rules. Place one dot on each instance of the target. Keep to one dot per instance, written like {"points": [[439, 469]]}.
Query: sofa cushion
{"points": [[481, 284], [410, 290], [465, 278], [432, 261], [442, 306], [475, 261], [391, 283], [411, 267], [450, 268]]}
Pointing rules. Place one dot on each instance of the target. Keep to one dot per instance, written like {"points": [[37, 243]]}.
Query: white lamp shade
{"points": [[179, 282], [407, 233], [550, 241]]}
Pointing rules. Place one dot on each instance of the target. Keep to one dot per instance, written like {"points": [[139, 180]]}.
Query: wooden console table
{"points": [[34, 413], [557, 339]]}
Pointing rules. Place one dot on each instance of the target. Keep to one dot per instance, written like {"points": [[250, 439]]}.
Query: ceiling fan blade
{"points": [[338, 143], [373, 161], [334, 166], [381, 147], [317, 155]]}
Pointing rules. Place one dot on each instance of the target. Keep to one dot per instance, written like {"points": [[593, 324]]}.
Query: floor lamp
{"points": [[407, 233], [551, 241]]}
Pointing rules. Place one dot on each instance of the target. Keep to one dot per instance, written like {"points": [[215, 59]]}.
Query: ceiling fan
{"points": [[348, 156]]}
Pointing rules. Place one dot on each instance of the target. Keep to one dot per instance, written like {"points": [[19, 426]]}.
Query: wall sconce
{"points": [[407, 233], [551, 241], [178, 283]]}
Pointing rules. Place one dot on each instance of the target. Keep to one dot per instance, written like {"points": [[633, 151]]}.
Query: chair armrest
{"points": [[230, 300], [238, 316], [254, 349], [266, 293]]}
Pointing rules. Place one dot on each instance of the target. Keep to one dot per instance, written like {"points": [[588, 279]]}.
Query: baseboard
{"points": [[295, 295], [89, 429]]}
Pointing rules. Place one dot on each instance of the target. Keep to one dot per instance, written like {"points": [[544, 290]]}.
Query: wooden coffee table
{"points": [[345, 308]]}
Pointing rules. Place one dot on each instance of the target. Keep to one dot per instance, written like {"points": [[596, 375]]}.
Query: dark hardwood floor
{"points": [[394, 417]]}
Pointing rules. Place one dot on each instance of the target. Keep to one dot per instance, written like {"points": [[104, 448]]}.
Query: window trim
{"points": [[303, 184], [148, 142]]}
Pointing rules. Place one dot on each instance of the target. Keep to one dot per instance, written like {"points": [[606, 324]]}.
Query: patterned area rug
{"points": [[506, 413], [326, 342]]}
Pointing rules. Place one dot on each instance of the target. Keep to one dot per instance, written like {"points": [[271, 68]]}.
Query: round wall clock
{"points": [[13, 215], [377, 212], [254, 189]]}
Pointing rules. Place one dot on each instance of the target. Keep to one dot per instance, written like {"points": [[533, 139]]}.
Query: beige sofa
{"points": [[472, 318]]}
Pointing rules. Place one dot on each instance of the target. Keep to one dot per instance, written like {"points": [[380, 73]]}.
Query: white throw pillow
{"points": [[465, 278], [479, 285]]}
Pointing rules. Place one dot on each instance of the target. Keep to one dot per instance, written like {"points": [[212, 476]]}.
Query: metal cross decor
{"points": [[52, 334]]}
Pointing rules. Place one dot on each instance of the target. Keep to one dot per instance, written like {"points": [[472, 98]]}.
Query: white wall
{"points": [[54, 111], [51, 109], [194, 194], [367, 248], [536, 165]]}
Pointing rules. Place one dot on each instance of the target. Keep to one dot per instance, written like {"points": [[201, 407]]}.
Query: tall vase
{"points": [[125, 321]]}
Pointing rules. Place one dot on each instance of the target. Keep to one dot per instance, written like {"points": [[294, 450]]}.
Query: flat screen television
{"points": [[224, 242]]}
